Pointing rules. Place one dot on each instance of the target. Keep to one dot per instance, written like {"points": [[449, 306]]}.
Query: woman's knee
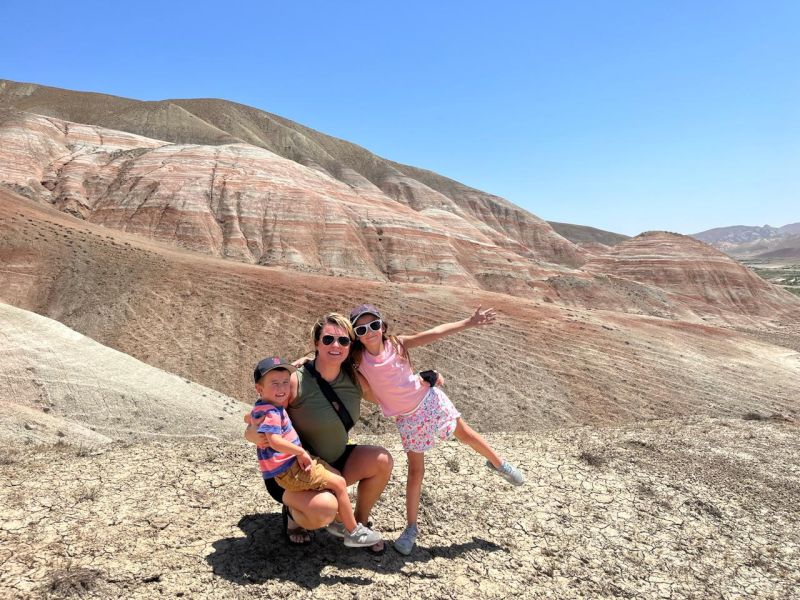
{"points": [[315, 512], [385, 462]]}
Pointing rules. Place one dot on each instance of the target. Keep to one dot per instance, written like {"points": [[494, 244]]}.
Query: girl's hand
{"points": [[482, 317], [302, 360]]}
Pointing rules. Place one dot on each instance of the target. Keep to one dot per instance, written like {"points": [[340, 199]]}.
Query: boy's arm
{"points": [[281, 444], [478, 318]]}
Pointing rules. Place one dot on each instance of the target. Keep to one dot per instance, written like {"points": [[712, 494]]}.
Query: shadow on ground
{"points": [[264, 555]]}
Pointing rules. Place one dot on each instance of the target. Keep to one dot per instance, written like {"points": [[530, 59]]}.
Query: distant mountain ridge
{"points": [[583, 234], [744, 241]]}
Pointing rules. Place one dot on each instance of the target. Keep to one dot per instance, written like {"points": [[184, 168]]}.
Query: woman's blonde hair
{"points": [[338, 320]]}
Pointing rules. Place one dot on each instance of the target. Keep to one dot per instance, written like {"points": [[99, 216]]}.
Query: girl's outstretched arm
{"points": [[478, 318]]}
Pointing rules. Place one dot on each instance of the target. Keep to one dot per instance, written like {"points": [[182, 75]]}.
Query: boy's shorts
{"points": [[295, 479], [434, 419]]}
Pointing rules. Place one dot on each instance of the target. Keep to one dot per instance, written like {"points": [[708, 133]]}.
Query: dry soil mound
{"points": [[59, 384]]}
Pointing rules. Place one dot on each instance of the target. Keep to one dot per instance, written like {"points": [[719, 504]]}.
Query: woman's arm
{"points": [[478, 318], [251, 433]]}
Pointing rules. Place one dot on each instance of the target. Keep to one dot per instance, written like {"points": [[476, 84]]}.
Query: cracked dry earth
{"points": [[700, 508]]}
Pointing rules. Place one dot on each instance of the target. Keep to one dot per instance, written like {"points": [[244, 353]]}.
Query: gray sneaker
{"points": [[405, 543], [336, 529], [361, 537], [508, 472]]}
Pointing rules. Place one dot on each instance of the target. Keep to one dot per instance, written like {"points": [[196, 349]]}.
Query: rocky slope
{"points": [[555, 359], [243, 202], [587, 237]]}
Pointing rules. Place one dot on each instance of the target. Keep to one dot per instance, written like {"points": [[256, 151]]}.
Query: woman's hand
{"points": [[251, 433], [482, 317]]}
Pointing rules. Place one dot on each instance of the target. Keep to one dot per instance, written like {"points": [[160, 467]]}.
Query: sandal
{"points": [[295, 531]]}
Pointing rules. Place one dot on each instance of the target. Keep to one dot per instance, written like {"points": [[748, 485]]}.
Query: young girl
{"points": [[423, 414]]}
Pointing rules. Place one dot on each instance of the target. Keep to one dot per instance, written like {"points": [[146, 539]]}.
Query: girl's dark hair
{"points": [[358, 348]]}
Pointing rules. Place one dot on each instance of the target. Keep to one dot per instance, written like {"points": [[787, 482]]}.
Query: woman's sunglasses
{"points": [[362, 329], [327, 340]]}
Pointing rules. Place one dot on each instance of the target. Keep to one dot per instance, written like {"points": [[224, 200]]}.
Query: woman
{"points": [[321, 430]]}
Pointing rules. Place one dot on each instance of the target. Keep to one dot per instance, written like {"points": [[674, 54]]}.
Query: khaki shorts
{"points": [[297, 480]]}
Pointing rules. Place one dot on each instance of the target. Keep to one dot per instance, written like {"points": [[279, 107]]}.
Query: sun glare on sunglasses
{"points": [[327, 340], [362, 329]]}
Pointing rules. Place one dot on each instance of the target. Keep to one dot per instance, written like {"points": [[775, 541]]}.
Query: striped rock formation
{"points": [[246, 203], [695, 274]]}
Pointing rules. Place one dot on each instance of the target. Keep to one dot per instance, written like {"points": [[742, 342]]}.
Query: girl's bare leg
{"points": [[416, 471], [465, 434]]}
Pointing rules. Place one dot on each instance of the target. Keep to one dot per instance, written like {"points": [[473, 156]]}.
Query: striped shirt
{"points": [[273, 419]]}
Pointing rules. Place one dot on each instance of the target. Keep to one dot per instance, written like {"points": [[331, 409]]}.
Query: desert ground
{"points": [[693, 508]]}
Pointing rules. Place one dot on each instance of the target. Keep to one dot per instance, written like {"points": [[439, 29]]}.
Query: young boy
{"points": [[286, 460]]}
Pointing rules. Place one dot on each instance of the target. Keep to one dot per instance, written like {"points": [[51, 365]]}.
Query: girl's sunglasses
{"points": [[327, 340], [362, 329]]}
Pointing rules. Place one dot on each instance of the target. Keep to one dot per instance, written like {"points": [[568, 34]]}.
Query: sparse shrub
{"points": [[704, 507], [71, 581], [453, 464], [645, 489], [592, 459], [9, 457], [639, 444], [87, 493], [753, 416]]}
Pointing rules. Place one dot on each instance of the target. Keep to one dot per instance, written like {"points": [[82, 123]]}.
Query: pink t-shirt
{"points": [[397, 389]]}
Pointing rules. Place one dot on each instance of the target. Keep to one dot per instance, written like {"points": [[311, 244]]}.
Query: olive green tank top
{"points": [[315, 420]]}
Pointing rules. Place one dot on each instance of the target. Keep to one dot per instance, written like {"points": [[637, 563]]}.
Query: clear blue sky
{"points": [[624, 115]]}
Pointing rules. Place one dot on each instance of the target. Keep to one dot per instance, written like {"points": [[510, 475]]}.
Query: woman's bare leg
{"points": [[371, 468], [465, 434], [309, 509]]}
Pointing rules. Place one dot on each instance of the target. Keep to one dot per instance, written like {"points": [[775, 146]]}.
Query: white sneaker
{"points": [[508, 472], [336, 529], [405, 543], [361, 537]]}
